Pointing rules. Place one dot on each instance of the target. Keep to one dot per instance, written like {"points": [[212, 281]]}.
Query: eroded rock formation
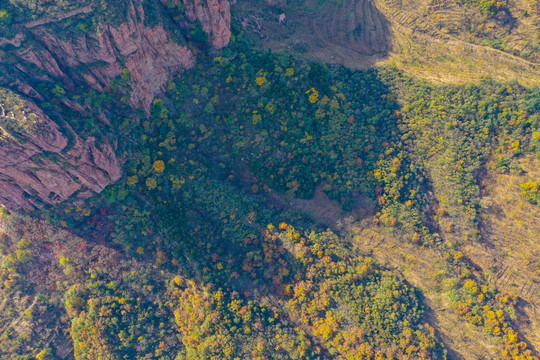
{"points": [[49, 49], [215, 19], [85, 43], [42, 163], [149, 53]]}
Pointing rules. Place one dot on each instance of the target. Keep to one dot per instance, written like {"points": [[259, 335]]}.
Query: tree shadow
{"points": [[353, 33]]}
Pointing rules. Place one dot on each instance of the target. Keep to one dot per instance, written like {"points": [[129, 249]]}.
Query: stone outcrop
{"points": [[149, 53], [46, 49], [88, 44], [215, 19], [43, 164]]}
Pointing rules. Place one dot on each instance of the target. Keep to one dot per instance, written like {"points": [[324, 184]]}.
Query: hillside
{"points": [[441, 41], [202, 180]]}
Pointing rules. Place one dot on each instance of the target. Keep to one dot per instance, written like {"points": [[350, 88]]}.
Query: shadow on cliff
{"points": [[353, 33]]}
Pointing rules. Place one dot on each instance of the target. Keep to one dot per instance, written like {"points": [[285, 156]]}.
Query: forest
{"points": [[205, 249]]}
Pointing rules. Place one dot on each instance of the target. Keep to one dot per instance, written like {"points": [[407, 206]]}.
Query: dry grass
{"points": [[431, 40], [510, 253], [319, 30], [424, 269], [434, 43], [421, 267], [327, 211]]}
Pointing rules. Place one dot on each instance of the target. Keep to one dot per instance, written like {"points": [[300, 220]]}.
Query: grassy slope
{"points": [[510, 253]]}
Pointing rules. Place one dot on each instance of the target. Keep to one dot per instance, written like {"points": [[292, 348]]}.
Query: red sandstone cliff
{"points": [[215, 19], [149, 54], [40, 164]]}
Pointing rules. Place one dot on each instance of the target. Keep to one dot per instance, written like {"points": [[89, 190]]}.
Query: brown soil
{"points": [[353, 33], [326, 210]]}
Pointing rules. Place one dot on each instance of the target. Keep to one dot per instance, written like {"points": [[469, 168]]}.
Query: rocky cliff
{"points": [[94, 42], [99, 56], [215, 19], [42, 163], [213, 15], [85, 44]]}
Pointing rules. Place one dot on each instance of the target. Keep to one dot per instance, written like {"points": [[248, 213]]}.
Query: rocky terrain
{"points": [[76, 44], [92, 51], [214, 17], [148, 53], [43, 163]]}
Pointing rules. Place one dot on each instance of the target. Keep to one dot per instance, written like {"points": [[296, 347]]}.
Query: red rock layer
{"points": [[35, 167], [215, 19], [149, 54]]}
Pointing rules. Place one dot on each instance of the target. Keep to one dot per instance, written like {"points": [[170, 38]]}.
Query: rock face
{"points": [[41, 164], [215, 19], [84, 43], [149, 53], [132, 39]]}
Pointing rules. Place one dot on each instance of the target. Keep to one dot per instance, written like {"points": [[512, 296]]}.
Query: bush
{"points": [[529, 191], [5, 17]]}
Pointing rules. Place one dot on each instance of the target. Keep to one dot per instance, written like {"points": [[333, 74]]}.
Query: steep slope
{"points": [[214, 17], [463, 41], [443, 41], [510, 252], [350, 32], [82, 46], [92, 43], [179, 258], [43, 163], [64, 48]]}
